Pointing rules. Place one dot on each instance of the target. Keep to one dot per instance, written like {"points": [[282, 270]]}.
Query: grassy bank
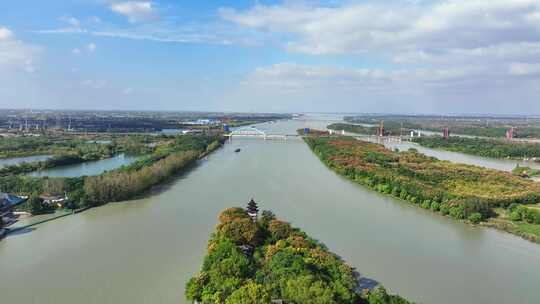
{"points": [[464, 192]]}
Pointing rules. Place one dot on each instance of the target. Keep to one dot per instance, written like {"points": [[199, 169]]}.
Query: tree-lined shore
{"points": [[494, 148], [262, 259], [464, 192], [168, 158]]}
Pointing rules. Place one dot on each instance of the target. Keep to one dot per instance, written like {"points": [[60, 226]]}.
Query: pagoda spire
{"points": [[252, 209]]}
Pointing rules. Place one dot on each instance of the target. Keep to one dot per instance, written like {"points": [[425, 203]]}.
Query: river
{"points": [[493, 163], [144, 250], [87, 168]]}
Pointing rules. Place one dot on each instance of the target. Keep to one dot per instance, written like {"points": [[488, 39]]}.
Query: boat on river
{"points": [[237, 150]]}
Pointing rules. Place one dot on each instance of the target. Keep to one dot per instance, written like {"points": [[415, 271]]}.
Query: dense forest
{"points": [[120, 184], [463, 192], [482, 146], [255, 259]]}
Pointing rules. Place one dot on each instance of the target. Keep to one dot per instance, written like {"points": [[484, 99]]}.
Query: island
{"points": [[261, 259]]}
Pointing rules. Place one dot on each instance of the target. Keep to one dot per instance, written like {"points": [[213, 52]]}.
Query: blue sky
{"points": [[456, 56]]}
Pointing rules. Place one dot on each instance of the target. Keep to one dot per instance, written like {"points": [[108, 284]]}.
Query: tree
{"points": [[306, 289], [242, 231], [266, 217], [475, 218], [379, 296], [229, 214], [250, 293], [279, 230], [35, 204]]}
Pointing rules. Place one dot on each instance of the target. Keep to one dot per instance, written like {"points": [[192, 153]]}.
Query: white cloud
{"points": [[525, 69], [5, 34], [72, 21], [477, 51], [475, 88], [91, 47], [15, 54], [87, 49], [296, 76], [136, 11], [157, 32], [393, 27]]}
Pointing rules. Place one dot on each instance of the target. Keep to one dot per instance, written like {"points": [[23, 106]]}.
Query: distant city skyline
{"points": [[353, 56]]}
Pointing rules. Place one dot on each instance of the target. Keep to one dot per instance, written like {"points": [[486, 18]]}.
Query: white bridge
{"points": [[253, 132]]}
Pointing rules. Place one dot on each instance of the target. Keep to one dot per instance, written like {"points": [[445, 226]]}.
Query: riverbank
{"points": [[140, 176], [493, 148], [463, 192]]}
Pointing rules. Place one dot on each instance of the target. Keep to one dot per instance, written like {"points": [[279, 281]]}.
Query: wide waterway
{"points": [[87, 168], [144, 251]]}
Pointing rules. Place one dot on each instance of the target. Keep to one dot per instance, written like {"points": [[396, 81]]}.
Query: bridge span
{"points": [[252, 132]]}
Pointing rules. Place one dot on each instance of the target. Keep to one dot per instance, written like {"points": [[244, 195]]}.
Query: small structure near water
{"points": [[7, 203], [54, 200], [252, 209]]}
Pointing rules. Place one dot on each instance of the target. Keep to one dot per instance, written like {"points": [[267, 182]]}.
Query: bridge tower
{"points": [[446, 133], [510, 133], [380, 131]]}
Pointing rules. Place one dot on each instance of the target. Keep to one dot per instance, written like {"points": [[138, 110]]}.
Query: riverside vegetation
{"points": [[69, 151], [258, 260], [485, 147], [465, 125], [463, 192], [170, 156]]}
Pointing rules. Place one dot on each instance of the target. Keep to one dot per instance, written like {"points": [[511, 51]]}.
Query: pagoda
{"points": [[252, 209]]}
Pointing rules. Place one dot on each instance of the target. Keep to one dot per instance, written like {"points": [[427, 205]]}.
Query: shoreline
{"points": [[6, 231], [496, 223]]}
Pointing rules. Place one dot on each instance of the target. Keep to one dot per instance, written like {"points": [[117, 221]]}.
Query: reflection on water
{"points": [[144, 251], [88, 168]]}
